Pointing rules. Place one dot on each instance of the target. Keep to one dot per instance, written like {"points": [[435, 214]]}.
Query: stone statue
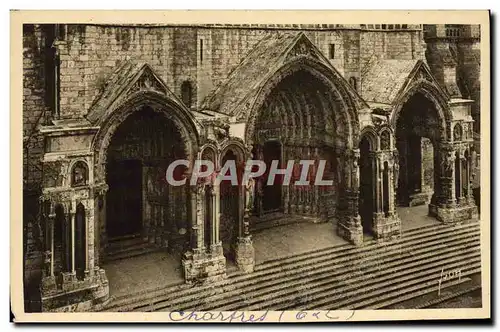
{"points": [[250, 192], [448, 162]]}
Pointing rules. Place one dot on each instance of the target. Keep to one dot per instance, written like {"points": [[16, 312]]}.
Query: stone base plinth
{"points": [[89, 294], [422, 198], [245, 254], [350, 229], [386, 227], [453, 214], [203, 267]]}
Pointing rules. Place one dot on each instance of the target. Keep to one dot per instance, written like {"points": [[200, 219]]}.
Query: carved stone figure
{"points": [[250, 192], [79, 176]]}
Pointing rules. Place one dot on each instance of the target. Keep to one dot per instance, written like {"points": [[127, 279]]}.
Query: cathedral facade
{"points": [[393, 109]]}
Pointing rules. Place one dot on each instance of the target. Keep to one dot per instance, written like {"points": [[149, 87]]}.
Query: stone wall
{"points": [[200, 55], [34, 103], [35, 106]]}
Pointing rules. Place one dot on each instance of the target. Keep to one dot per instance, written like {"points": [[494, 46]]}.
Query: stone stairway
{"points": [[276, 219], [373, 276], [126, 247]]}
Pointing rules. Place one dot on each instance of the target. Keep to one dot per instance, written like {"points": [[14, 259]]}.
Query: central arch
{"points": [[304, 111]]}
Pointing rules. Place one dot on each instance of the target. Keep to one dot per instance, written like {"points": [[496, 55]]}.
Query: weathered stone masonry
{"points": [[340, 93]]}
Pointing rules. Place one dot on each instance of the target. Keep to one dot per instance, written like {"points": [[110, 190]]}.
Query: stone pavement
{"points": [[147, 271], [415, 217]]}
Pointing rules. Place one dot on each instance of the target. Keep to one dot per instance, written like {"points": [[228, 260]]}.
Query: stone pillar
{"points": [[103, 237], [392, 188], [386, 225], [286, 189], [244, 251], [444, 206], [216, 246], [378, 171], [200, 265], [48, 285], [315, 210], [469, 165], [459, 174], [349, 225]]}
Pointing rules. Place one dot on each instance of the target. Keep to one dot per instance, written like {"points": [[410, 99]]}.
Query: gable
{"points": [[127, 79], [271, 53], [421, 72], [386, 80]]}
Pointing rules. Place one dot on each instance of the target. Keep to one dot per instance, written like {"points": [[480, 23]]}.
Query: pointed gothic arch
{"points": [[342, 94]]}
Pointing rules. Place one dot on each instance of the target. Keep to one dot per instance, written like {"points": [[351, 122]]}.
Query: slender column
{"points": [[200, 218], [51, 243], [48, 282], [391, 188], [395, 182], [72, 223], [259, 184], [458, 175], [285, 189], [86, 238], [316, 193], [448, 175], [380, 184], [245, 253], [215, 196], [349, 225], [193, 216], [468, 161]]}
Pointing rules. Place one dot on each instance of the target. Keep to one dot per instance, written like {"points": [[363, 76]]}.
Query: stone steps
{"points": [[127, 247], [299, 273], [274, 266], [280, 220], [342, 280], [384, 291], [287, 277]]}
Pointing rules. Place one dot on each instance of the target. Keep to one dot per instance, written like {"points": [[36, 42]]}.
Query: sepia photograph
{"points": [[253, 172]]}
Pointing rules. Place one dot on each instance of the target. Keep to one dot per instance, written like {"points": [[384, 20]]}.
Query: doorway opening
{"points": [[366, 188]]}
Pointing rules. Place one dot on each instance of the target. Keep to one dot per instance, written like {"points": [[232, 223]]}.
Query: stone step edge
{"points": [[349, 250], [329, 271], [375, 278], [434, 267], [445, 229], [131, 252], [412, 293], [469, 271], [333, 293], [435, 240], [449, 297], [189, 290], [440, 230], [343, 270], [299, 274]]}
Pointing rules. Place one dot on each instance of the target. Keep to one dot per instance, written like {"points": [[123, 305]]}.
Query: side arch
{"points": [[371, 135], [183, 120], [435, 95]]}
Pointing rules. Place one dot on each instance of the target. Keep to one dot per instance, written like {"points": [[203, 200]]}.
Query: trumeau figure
{"points": [[250, 193]]}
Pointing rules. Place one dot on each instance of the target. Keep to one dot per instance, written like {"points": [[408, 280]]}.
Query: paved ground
{"points": [[143, 272], [289, 239], [160, 268], [415, 217]]}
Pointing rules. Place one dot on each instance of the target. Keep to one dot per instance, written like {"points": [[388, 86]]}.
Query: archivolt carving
{"points": [[432, 93], [347, 101], [188, 128]]}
